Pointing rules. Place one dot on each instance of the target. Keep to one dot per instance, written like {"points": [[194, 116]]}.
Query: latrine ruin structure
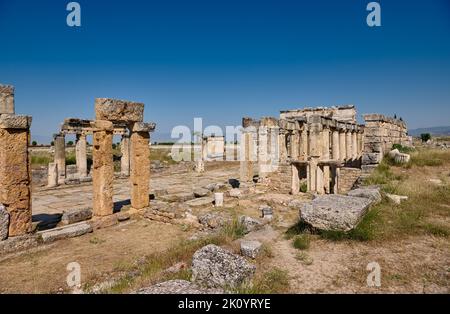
{"points": [[15, 165], [322, 149]]}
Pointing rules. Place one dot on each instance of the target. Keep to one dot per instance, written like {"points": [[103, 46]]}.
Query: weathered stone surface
{"points": [[19, 243], [12, 121], [215, 267], [393, 153], [6, 99], [52, 176], [235, 193], [103, 173], [178, 287], [214, 187], [402, 158], [4, 222], [371, 158], [118, 110], [335, 212], [201, 192], [75, 215], [200, 201], [178, 197], [65, 232], [250, 224], [397, 199], [372, 193], [213, 220], [15, 179], [104, 222], [140, 170], [143, 127], [250, 248], [266, 212]]}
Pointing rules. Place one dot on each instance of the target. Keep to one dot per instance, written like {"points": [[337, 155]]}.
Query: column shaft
{"points": [[81, 155], [125, 159], [140, 170]]}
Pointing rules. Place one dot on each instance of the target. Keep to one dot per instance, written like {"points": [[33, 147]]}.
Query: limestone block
{"points": [[215, 267], [19, 243], [218, 199], [397, 199], [6, 99], [372, 193], [75, 215], [249, 224], [201, 192], [250, 248], [140, 170], [12, 121], [402, 158], [118, 110], [102, 173], [143, 127], [335, 212], [371, 158], [65, 232], [15, 179]]}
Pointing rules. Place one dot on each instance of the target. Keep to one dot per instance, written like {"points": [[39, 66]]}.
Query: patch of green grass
{"points": [[383, 174], [234, 230], [302, 241], [274, 281], [403, 149], [296, 229], [96, 240], [436, 230], [40, 160], [71, 159], [304, 187]]}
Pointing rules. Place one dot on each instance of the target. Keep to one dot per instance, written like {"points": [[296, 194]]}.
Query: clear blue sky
{"points": [[224, 59]]}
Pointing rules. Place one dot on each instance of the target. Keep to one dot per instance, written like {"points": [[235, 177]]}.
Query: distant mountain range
{"points": [[438, 130]]}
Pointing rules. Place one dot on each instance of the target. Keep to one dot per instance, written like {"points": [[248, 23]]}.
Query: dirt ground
{"points": [[409, 264]]}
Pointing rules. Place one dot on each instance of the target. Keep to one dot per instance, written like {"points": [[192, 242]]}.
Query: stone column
{"points": [[282, 145], [295, 181], [52, 179], [7, 99], [60, 154], [342, 146], [336, 154], [140, 170], [15, 172], [103, 168], [125, 159], [304, 144], [263, 156], [348, 143], [360, 143], [81, 155], [315, 152], [295, 145], [246, 156], [354, 146], [326, 156]]}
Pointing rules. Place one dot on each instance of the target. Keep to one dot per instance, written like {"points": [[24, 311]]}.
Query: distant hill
{"points": [[438, 130]]}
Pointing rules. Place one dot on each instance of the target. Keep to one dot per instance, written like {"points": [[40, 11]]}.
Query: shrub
{"points": [[301, 241], [304, 187], [34, 143], [425, 137]]}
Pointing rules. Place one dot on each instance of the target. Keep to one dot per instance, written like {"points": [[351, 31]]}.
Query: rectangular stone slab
{"points": [[118, 110], [12, 121], [335, 212], [65, 232]]}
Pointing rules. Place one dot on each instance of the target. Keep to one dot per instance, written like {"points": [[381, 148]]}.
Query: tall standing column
{"points": [[295, 145], [315, 151], [354, 146], [60, 154], [326, 156], [336, 154], [246, 156], [125, 159], [15, 172], [304, 144], [348, 142], [342, 146], [263, 156], [140, 170], [81, 157], [282, 145], [103, 168]]}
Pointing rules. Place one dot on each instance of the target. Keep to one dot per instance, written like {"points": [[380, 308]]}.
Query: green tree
{"points": [[34, 143], [425, 137], [69, 143]]}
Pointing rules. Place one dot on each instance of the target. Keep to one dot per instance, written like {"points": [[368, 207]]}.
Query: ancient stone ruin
{"points": [[322, 149], [15, 173]]}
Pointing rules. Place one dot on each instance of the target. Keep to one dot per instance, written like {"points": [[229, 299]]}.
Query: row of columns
{"points": [[59, 165]]}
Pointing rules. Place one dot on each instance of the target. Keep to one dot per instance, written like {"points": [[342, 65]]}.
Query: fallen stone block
{"points": [[393, 153], [266, 212], [4, 222], [201, 192], [65, 232], [75, 215], [236, 193], [250, 248], [250, 224], [402, 158], [123, 216], [213, 220], [335, 212], [179, 197], [15, 244], [215, 267], [200, 201], [178, 287], [218, 199], [371, 193], [397, 199]]}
